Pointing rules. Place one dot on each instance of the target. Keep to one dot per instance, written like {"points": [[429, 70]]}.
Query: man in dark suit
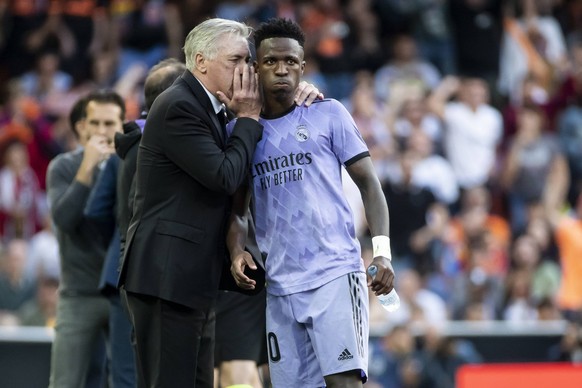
{"points": [[109, 204], [186, 171]]}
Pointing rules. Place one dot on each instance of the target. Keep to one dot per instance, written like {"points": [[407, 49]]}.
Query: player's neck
{"points": [[273, 108]]}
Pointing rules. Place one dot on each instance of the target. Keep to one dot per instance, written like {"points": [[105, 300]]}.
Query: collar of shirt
{"points": [[216, 104]]}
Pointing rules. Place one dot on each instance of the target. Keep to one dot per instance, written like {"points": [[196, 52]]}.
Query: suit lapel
{"points": [[202, 97]]}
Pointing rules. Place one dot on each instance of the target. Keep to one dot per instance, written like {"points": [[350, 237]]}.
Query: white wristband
{"points": [[381, 246]]}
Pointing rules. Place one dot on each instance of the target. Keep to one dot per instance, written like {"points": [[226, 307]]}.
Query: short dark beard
{"points": [[282, 96]]}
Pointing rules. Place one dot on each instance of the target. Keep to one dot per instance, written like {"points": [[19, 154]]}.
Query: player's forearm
{"points": [[375, 206], [236, 237], [376, 210]]}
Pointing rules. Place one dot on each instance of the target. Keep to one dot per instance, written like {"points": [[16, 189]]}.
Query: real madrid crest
{"points": [[302, 133]]}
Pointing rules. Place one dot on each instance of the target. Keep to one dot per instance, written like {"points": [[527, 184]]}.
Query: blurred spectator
{"points": [[547, 310], [237, 9], [405, 67], [570, 137], [477, 227], [42, 310], [408, 204], [8, 319], [23, 119], [519, 306], [103, 76], [432, 171], [473, 128], [539, 229], [476, 311], [46, 78], [413, 116], [477, 292], [15, 116], [442, 356], [533, 156], [393, 19], [84, 27], [570, 124], [477, 30], [130, 88], [431, 27], [544, 274], [194, 12], [21, 200], [312, 74], [565, 93], [368, 116], [568, 234], [15, 288], [22, 31], [145, 32], [82, 242], [394, 361], [419, 306], [532, 45], [365, 49], [434, 244], [325, 23], [43, 256], [532, 95], [570, 348], [570, 16]]}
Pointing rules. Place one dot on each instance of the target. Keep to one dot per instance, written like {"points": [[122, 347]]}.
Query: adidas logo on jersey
{"points": [[346, 355]]}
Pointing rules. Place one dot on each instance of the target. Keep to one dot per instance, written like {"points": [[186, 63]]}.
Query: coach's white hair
{"points": [[204, 38]]}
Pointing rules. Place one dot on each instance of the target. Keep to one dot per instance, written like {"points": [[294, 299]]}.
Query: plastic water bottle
{"points": [[390, 301]]}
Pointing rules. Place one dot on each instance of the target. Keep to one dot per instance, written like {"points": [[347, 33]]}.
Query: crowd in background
{"points": [[471, 109]]}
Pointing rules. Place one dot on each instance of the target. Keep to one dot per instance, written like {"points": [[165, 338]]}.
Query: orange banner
{"points": [[538, 375]]}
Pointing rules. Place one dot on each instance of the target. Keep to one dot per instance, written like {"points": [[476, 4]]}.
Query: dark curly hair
{"points": [[278, 28]]}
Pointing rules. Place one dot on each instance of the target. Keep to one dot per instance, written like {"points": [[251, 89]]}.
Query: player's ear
{"points": [[302, 67], [200, 63]]}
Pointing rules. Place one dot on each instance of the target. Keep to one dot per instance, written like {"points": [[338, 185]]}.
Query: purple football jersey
{"points": [[303, 221]]}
